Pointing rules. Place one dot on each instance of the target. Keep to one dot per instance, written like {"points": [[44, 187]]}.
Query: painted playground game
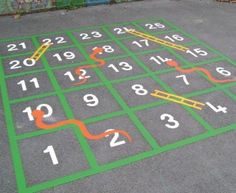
{"points": [[82, 102]]}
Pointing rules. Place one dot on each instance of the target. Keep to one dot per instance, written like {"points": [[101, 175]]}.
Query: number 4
{"points": [[217, 109]]}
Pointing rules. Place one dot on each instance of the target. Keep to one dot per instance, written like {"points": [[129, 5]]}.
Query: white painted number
{"points": [[91, 100], [170, 119], [196, 52], [218, 108], [141, 43], [158, 59], [58, 40], [139, 90], [155, 25], [174, 38], [67, 55], [114, 141], [23, 84], [48, 112], [122, 65], [106, 48], [184, 79], [16, 64], [16, 47], [72, 78], [94, 34], [52, 154], [223, 72], [120, 30]]}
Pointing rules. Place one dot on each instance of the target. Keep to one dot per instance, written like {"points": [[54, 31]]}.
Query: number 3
{"points": [[170, 119]]}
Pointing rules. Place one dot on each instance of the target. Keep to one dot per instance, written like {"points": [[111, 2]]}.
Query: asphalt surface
{"points": [[207, 166]]}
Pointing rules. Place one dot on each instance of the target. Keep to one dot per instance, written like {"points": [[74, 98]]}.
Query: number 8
{"points": [[139, 90]]}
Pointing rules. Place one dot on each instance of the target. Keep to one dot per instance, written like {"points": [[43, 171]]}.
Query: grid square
{"points": [[16, 47], [141, 95], [28, 85], [185, 83], [154, 26], [121, 68], [197, 53], [90, 35], [38, 166], [221, 116], [99, 101], [56, 40], [23, 120], [67, 77], [20, 64], [169, 123], [139, 44], [106, 151], [110, 49], [175, 37], [119, 30], [222, 70], [64, 57], [156, 60]]}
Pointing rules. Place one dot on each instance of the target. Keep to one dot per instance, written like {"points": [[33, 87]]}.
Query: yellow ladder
{"points": [[177, 99], [157, 40], [40, 51]]}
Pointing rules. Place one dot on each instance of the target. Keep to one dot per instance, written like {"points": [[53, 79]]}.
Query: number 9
{"points": [[91, 100]]}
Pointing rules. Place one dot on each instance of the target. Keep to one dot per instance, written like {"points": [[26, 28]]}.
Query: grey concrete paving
{"points": [[205, 167]]}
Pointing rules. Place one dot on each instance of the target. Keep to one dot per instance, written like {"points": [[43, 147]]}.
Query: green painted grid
{"points": [[169, 89], [164, 149], [15, 152], [59, 47], [84, 145], [228, 93]]}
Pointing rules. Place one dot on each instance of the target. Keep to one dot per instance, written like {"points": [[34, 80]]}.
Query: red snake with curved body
{"points": [[174, 64], [38, 116], [101, 63]]}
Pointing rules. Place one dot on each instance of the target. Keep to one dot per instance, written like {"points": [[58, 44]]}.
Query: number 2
{"points": [[114, 141]]}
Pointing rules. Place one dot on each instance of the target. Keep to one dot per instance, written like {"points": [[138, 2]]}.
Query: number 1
{"points": [[52, 154]]}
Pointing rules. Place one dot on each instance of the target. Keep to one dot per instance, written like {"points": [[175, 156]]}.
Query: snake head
{"points": [[172, 63], [37, 113], [99, 50]]}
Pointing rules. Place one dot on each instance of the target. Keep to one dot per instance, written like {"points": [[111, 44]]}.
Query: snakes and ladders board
{"points": [[117, 95]]}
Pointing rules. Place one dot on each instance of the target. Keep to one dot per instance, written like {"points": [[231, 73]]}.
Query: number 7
{"points": [[184, 79]]}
